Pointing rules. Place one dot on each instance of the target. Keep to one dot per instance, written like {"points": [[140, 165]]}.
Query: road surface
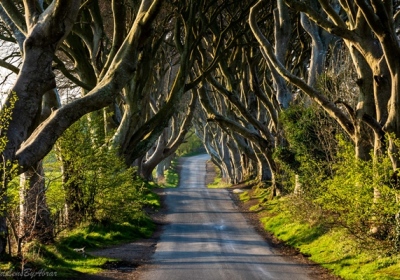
{"points": [[208, 239]]}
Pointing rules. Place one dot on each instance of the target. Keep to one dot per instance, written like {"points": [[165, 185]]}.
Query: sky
{"points": [[8, 52]]}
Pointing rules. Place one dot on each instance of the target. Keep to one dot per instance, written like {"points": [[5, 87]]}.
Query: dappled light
{"points": [[292, 107]]}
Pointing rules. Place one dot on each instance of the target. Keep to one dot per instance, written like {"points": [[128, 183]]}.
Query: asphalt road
{"points": [[207, 238]]}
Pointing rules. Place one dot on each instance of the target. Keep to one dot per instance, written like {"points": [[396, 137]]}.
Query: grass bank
{"points": [[61, 259], [332, 247]]}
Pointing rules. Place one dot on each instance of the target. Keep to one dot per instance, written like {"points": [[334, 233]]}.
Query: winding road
{"points": [[208, 238]]}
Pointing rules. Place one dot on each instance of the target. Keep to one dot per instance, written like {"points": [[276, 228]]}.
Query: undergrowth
{"points": [[333, 247], [61, 257], [61, 260], [171, 176]]}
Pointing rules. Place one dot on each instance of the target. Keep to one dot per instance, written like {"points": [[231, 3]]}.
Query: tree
{"points": [[170, 139], [370, 39], [57, 32], [45, 30]]}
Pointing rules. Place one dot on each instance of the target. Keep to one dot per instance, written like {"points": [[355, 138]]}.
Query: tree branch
{"points": [[318, 18], [124, 65], [320, 99], [9, 66], [15, 15]]}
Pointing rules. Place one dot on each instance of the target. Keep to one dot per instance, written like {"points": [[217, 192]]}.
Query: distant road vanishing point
{"points": [[208, 238]]}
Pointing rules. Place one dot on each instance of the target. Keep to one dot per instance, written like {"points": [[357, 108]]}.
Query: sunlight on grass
{"points": [[152, 199], [244, 196], [334, 249], [5, 266], [218, 184], [171, 179], [63, 259]]}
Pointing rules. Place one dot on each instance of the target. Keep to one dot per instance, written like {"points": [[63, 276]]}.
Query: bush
{"points": [[98, 185], [337, 189], [359, 197], [310, 149]]}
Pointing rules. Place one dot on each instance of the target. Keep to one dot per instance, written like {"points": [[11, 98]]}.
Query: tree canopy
{"points": [[266, 85]]}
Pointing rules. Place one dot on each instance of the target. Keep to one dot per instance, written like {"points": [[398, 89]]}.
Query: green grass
{"points": [[171, 178], [97, 236], [333, 248], [64, 260], [244, 196], [152, 199], [61, 258], [218, 184]]}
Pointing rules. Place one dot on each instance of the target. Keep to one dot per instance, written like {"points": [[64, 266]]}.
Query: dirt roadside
{"points": [[134, 256]]}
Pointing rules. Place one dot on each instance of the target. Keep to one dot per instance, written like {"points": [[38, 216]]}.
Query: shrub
{"points": [[98, 185]]}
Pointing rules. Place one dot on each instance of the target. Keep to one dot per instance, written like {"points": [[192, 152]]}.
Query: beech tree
{"points": [[34, 214], [114, 74], [45, 31], [147, 71], [243, 97], [368, 31]]}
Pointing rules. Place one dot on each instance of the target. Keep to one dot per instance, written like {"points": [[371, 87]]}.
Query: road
{"points": [[207, 238]]}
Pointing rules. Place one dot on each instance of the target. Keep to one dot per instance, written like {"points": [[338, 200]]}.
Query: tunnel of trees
{"points": [[300, 96]]}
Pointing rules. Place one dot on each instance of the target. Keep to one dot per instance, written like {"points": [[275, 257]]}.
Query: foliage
{"points": [[361, 199], [114, 193], [55, 194], [359, 196], [332, 247], [301, 132], [8, 168], [191, 146], [102, 187], [340, 196], [310, 147], [5, 118], [171, 176]]}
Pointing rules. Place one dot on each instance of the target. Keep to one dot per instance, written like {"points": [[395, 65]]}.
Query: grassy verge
{"points": [[333, 248], [62, 259], [171, 176], [218, 184]]}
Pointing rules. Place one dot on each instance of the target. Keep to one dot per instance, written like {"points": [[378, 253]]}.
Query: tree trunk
{"points": [[74, 210], [35, 218], [3, 214], [44, 34], [234, 154], [264, 173], [161, 167], [393, 123], [157, 156], [282, 38]]}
